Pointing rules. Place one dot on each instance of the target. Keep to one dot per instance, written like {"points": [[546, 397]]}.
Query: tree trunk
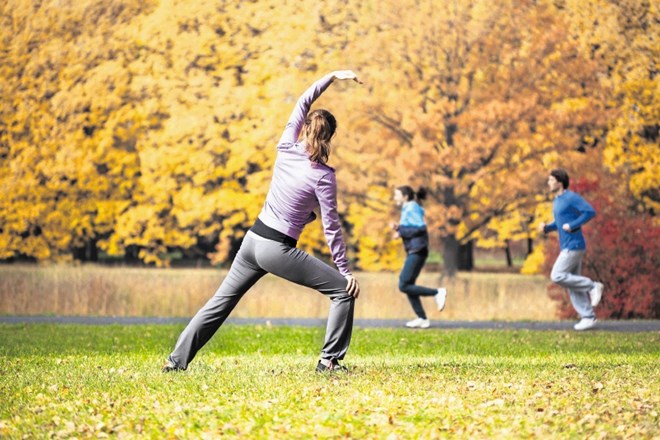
{"points": [[131, 254], [466, 256], [92, 251], [450, 255], [507, 251], [88, 252], [457, 256], [451, 246]]}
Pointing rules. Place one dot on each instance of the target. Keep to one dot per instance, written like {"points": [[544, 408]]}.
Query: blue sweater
{"points": [[570, 208]]}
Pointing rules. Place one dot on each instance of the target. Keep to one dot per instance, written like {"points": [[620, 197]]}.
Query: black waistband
{"points": [[264, 231]]}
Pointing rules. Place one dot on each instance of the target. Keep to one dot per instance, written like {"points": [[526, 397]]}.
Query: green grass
{"points": [[66, 381]]}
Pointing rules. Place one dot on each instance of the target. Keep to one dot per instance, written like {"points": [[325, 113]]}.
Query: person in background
{"points": [[571, 212], [301, 183], [412, 230]]}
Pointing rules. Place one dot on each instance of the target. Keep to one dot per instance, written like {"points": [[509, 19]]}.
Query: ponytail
{"points": [[319, 127], [409, 194], [421, 194]]}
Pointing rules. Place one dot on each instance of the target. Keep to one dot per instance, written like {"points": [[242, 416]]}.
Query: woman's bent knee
{"points": [[343, 298], [405, 287]]}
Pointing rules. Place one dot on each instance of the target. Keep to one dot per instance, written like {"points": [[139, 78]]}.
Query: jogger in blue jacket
{"points": [[571, 211]]}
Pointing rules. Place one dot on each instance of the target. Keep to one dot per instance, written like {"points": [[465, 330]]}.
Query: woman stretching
{"points": [[301, 182], [412, 229]]}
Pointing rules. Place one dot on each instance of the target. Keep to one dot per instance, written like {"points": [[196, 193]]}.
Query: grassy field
{"points": [[64, 381]]}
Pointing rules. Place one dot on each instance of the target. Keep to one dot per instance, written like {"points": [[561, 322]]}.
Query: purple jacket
{"points": [[299, 185]]}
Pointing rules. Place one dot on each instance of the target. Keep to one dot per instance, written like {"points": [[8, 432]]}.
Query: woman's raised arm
{"points": [[304, 103]]}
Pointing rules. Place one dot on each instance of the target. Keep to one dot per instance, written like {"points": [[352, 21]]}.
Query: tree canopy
{"points": [[140, 127]]}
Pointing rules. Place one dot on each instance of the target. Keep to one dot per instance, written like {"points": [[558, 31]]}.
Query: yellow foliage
{"points": [[152, 124], [624, 38], [534, 262]]}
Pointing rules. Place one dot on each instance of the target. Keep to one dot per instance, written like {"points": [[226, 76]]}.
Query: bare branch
{"points": [[392, 125]]}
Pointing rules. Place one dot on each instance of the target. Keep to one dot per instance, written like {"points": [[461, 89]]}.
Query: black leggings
{"points": [[411, 269]]}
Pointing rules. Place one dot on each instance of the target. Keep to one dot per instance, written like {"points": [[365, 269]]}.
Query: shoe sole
{"points": [[444, 303], [600, 297], [320, 368], [585, 328]]}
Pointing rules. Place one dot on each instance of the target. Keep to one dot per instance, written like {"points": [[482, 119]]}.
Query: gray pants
{"points": [[566, 273], [256, 257]]}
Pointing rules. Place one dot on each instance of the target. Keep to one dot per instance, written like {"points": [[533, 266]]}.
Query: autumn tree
{"points": [[68, 125], [197, 166], [140, 128], [227, 75], [622, 38], [471, 100]]}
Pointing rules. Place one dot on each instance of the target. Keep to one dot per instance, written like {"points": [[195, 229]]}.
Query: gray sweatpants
{"points": [[256, 257], [566, 273]]}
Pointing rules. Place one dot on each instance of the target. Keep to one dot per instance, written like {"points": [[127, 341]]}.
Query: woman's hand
{"points": [[346, 74], [395, 228], [353, 288]]}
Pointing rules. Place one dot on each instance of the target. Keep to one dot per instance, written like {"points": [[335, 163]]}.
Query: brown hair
{"points": [[318, 129], [562, 176]]}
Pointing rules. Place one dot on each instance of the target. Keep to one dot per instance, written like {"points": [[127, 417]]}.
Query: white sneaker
{"points": [[596, 293], [418, 323], [585, 324], [440, 298]]}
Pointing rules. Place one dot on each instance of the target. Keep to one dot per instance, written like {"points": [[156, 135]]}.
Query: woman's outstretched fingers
{"points": [[347, 74]]}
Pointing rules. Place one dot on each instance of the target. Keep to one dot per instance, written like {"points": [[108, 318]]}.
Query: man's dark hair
{"points": [[561, 175]]}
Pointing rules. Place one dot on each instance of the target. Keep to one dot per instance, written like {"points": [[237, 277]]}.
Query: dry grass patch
{"points": [[122, 291]]}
